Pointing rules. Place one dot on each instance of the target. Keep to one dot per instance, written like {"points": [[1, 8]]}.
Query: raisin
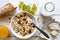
{"points": [[29, 31], [24, 14], [20, 15], [17, 17], [26, 22], [24, 19], [18, 22]]}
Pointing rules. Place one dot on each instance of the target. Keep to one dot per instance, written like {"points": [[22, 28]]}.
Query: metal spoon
{"points": [[44, 33]]}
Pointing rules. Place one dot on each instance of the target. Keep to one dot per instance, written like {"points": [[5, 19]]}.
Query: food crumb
{"points": [[9, 18]]}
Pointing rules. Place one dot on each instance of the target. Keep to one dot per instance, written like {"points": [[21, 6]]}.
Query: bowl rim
{"points": [[17, 35]]}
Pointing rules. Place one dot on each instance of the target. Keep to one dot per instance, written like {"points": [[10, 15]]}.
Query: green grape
{"points": [[28, 7], [32, 12], [24, 7], [20, 4], [34, 7]]}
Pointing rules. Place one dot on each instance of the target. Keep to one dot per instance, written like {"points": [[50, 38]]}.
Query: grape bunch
{"points": [[27, 8]]}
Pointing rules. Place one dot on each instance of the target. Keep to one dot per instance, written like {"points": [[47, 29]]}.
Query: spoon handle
{"points": [[44, 33]]}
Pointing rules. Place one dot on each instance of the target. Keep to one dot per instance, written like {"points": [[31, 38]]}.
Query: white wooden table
{"points": [[40, 3]]}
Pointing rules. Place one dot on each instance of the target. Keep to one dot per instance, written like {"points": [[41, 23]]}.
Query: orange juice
{"points": [[3, 31]]}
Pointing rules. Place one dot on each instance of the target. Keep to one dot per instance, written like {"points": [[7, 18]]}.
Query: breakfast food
{"points": [[4, 32], [5, 10], [27, 8], [54, 32], [22, 24], [54, 28]]}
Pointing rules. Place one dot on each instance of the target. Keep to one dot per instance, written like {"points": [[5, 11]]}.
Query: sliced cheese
{"points": [[54, 26], [54, 32]]}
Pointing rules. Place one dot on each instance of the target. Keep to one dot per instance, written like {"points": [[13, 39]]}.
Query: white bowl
{"points": [[24, 37]]}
